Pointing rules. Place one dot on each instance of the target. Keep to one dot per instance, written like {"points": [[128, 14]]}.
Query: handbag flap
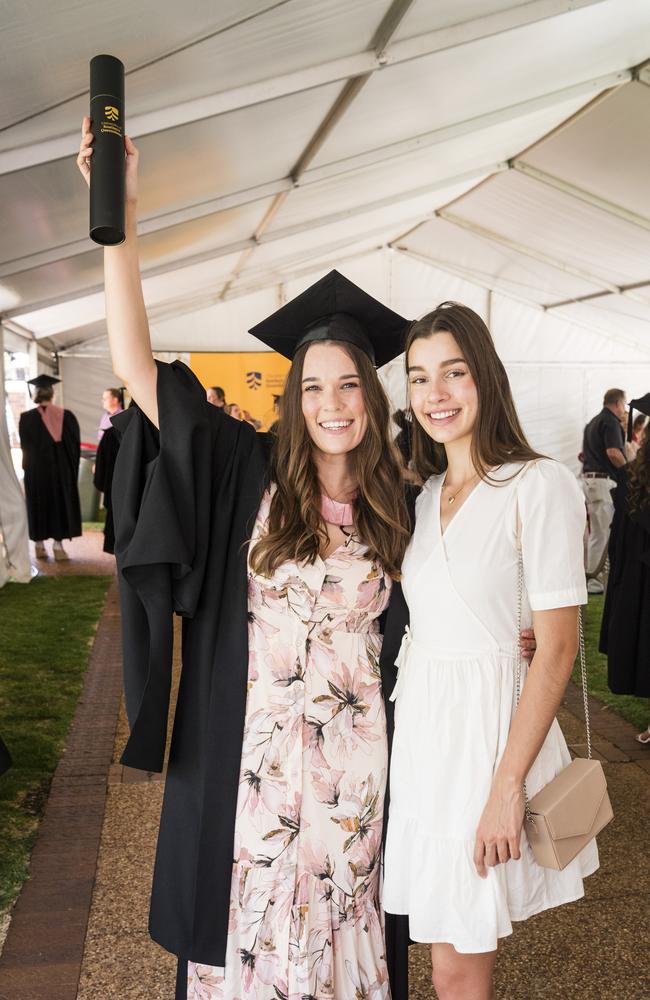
{"points": [[570, 802]]}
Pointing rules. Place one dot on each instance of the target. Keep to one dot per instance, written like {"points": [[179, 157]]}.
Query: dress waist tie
{"points": [[400, 662]]}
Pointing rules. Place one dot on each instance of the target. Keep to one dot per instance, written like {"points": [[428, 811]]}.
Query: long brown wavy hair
{"points": [[296, 530], [498, 436], [639, 477]]}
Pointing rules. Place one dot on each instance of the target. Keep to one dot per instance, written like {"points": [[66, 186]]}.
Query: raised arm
{"points": [[126, 317]]}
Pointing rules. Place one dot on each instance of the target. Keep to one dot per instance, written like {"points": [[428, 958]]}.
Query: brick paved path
{"points": [[44, 947]]}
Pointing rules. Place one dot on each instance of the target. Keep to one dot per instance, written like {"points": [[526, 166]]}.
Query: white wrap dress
{"points": [[455, 700]]}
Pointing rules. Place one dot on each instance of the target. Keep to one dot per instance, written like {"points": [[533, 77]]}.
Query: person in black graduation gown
{"points": [[625, 629], [50, 440], [107, 450], [5, 757], [204, 462]]}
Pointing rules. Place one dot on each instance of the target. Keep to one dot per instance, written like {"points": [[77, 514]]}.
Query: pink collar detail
{"points": [[52, 417], [335, 512]]}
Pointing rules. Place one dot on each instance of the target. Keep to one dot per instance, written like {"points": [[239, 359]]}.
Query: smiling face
{"points": [[444, 397], [332, 399]]}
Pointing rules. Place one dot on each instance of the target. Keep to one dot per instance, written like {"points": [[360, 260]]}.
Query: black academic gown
{"points": [[5, 757], [625, 629], [103, 479], [184, 501], [51, 471]]}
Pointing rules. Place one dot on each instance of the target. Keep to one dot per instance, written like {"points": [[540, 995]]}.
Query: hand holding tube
{"points": [[85, 156]]}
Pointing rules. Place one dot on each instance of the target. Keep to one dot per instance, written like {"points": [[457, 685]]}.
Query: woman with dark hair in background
{"points": [[456, 862], [625, 629], [634, 440]]}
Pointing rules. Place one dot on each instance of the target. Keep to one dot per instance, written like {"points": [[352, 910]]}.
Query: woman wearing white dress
{"points": [[457, 861]]}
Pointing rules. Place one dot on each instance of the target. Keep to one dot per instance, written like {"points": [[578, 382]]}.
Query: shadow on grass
{"points": [[46, 632]]}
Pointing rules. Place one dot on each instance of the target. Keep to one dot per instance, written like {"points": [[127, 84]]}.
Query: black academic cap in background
{"points": [[334, 308], [43, 382], [643, 406]]}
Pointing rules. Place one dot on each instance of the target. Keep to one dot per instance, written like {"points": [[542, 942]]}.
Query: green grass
{"points": [[46, 630], [634, 710], [97, 525]]}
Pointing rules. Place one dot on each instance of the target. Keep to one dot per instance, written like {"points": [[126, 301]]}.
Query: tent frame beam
{"points": [[580, 194], [466, 126], [470, 276], [336, 168], [626, 291], [543, 258], [338, 70], [351, 89], [465, 273], [250, 243]]}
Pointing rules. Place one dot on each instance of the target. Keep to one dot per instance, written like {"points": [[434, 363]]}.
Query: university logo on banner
{"points": [[253, 380]]}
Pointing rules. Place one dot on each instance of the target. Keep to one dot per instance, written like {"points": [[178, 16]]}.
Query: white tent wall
{"points": [[220, 327], [84, 379], [559, 371]]}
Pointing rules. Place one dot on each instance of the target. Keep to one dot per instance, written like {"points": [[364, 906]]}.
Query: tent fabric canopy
{"points": [[486, 150]]}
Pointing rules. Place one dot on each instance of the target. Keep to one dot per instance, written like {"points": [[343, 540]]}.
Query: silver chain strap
{"points": [[581, 646]]}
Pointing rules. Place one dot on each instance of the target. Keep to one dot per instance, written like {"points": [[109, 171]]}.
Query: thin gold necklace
{"points": [[451, 499]]}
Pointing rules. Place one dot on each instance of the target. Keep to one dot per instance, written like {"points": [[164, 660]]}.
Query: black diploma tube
{"points": [[107, 174]]}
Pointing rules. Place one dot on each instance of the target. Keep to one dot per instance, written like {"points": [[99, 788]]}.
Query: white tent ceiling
{"points": [[504, 143]]}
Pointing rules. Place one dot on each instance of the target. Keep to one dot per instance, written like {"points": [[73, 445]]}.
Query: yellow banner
{"points": [[250, 379]]}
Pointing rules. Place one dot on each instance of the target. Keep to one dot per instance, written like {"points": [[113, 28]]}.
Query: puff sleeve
{"points": [[553, 519]]}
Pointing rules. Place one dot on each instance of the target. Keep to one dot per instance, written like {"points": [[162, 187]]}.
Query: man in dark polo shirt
{"points": [[603, 450]]}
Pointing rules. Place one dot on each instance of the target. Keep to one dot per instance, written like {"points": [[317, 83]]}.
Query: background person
{"points": [[603, 451], [250, 419], [103, 481], [234, 410], [50, 440], [403, 437], [216, 396], [113, 403], [5, 757], [625, 628], [633, 443]]}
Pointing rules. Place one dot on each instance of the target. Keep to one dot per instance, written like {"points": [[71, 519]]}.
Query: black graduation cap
{"points": [[643, 406], [334, 308], [43, 382]]}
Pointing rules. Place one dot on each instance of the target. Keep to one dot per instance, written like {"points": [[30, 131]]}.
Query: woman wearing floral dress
{"points": [[268, 865], [313, 773]]}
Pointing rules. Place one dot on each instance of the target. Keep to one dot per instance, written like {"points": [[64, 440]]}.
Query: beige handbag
{"points": [[568, 812]]}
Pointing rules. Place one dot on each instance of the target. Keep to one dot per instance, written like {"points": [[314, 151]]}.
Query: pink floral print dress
{"points": [[305, 917]]}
